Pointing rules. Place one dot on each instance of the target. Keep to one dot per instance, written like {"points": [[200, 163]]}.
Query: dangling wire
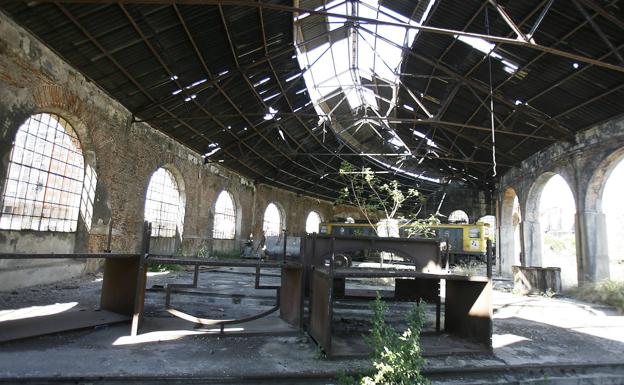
{"points": [[487, 27]]}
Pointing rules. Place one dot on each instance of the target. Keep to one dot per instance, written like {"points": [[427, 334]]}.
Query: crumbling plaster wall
{"points": [[585, 165], [124, 154]]}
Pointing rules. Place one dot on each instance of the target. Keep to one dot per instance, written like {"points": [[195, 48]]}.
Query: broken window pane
{"points": [[272, 224], [225, 217], [46, 173], [164, 206]]}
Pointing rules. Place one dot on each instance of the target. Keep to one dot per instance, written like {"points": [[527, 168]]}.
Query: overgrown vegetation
{"points": [[374, 197], [163, 267], [608, 292], [397, 358], [224, 255], [470, 268], [563, 244]]}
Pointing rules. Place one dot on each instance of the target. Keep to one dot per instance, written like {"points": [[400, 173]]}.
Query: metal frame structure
{"points": [[180, 86], [468, 306]]}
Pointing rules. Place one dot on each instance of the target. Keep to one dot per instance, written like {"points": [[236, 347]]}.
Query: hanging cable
{"points": [[487, 27]]}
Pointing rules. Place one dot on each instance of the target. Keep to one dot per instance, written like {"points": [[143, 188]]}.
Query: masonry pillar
{"points": [[506, 247], [593, 258], [532, 242]]}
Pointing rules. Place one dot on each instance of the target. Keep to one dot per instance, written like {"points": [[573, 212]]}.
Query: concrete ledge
{"points": [[31, 274]]}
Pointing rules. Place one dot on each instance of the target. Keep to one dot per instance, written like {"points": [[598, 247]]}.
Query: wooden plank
{"points": [[55, 323]]}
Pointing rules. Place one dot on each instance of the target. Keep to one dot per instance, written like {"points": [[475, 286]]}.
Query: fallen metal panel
{"points": [[423, 253], [321, 310], [55, 323], [291, 296], [468, 310], [119, 285]]}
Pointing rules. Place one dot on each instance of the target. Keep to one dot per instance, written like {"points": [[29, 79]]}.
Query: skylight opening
{"points": [[195, 84], [271, 97], [430, 142], [377, 48], [488, 49], [262, 81], [271, 114], [293, 77]]}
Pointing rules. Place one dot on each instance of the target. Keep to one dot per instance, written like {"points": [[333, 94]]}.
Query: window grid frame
{"points": [[45, 177], [166, 217], [267, 224], [320, 220], [226, 217]]}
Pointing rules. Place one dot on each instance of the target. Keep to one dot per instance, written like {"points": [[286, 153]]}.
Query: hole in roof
{"points": [[262, 81], [488, 48], [361, 52], [356, 65], [271, 114]]}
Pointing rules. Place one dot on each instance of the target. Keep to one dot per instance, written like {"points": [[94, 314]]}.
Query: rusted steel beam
{"points": [[422, 28], [218, 122], [598, 30]]}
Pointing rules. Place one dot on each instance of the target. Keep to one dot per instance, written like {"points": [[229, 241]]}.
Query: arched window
{"points": [[489, 219], [225, 217], [45, 182], [164, 206], [272, 224], [458, 216], [313, 222]]}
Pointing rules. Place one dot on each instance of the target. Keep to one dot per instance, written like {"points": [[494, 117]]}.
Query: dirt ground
{"points": [[527, 331]]}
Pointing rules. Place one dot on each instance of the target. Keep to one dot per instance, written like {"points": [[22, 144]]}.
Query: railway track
{"points": [[551, 374]]}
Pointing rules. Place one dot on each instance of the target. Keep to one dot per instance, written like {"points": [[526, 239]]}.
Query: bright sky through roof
{"points": [[356, 55], [366, 51]]}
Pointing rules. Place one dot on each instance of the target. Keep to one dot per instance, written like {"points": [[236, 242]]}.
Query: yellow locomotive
{"points": [[466, 241]]}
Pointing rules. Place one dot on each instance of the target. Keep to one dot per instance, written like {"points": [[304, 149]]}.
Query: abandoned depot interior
{"points": [[217, 191]]}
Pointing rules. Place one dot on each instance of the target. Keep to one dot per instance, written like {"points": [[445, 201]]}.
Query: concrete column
{"points": [[533, 242], [593, 261]]}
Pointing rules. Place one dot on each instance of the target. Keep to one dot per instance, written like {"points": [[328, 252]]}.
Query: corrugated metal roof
{"points": [[249, 55]]}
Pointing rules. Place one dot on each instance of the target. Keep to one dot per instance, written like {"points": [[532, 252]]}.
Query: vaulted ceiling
{"points": [[228, 79]]}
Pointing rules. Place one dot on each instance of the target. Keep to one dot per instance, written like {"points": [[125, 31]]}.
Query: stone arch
{"points": [[320, 219], [596, 245], [79, 113], [280, 210], [61, 101], [73, 126], [534, 233], [237, 211], [458, 216], [167, 244]]}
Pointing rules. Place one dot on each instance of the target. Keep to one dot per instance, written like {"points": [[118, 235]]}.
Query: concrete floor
{"points": [[529, 332]]}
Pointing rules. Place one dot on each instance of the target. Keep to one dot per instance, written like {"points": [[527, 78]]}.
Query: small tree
{"points": [[372, 197]]}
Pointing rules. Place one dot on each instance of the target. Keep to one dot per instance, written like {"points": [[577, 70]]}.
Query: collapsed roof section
{"points": [[283, 93], [352, 73]]}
